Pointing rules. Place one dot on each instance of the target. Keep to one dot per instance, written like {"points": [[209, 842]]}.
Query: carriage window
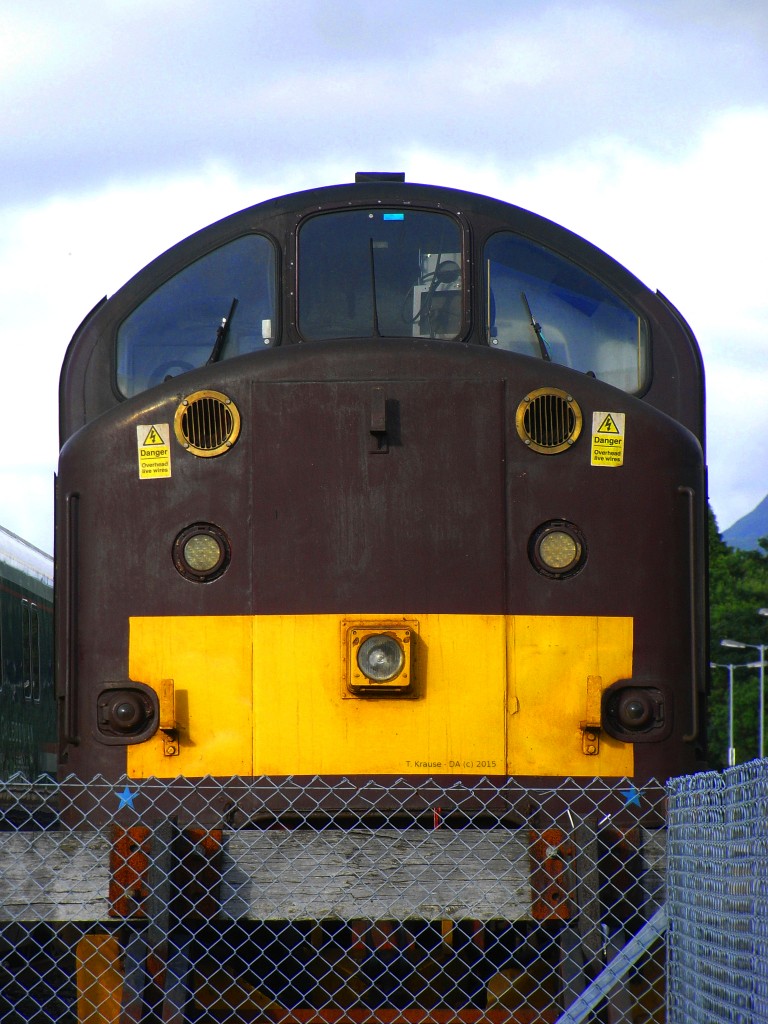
{"points": [[389, 273], [220, 306], [541, 304]]}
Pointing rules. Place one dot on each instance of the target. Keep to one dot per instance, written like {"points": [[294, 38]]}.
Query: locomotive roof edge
{"points": [[19, 554]]}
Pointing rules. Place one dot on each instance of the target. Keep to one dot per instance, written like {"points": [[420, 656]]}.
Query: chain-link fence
{"points": [[328, 901], [718, 896]]}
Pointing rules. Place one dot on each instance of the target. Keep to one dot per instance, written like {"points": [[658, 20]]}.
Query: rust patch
{"points": [[551, 854], [129, 870]]}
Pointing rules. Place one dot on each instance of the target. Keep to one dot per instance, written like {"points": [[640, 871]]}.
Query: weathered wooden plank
{"points": [[299, 875], [377, 875], [53, 876]]}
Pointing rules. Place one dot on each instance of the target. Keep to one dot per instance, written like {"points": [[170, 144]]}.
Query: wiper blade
{"points": [[222, 332], [536, 330], [372, 264]]}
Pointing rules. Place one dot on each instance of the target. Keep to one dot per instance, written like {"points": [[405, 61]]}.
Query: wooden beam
{"points": [[291, 875]]}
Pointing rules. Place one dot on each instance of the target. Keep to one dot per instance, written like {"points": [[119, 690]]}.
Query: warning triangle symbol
{"points": [[608, 426], [153, 437]]}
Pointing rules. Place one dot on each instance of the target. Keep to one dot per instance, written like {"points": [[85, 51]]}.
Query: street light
{"points": [[731, 668], [731, 748], [738, 645]]}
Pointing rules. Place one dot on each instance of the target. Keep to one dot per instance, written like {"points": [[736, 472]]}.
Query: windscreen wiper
{"points": [[536, 330], [222, 332], [374, 300]]}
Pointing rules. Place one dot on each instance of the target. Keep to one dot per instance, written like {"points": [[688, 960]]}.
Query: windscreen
{"points": [[380, 273], [220, 306], [541, 304]]}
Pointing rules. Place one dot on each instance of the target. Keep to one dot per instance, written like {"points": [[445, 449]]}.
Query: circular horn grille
{"points": [[548, 420], [207, 423]]}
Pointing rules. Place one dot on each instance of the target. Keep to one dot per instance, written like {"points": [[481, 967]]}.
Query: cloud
{"points": [[106, 92]]}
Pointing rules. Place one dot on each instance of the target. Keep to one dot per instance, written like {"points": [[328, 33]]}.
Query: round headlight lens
{"points": [[380, 658], [557, 549], [201, 552]]}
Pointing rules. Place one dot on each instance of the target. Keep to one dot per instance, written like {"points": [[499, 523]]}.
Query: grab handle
{"points": [[68, 620], [690, 493]]}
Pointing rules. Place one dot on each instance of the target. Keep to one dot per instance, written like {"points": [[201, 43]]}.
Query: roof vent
{"points": [[362, 176]]}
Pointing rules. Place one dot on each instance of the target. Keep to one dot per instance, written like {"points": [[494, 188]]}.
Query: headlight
{"points": [[201, 552], [557, 549], [380, 658]]}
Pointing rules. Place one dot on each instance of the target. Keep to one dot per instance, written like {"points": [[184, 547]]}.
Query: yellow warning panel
{"points": [[154, 449], [608, 430]]}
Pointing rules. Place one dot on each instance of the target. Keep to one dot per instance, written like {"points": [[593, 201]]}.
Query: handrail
{"points": [[67, 687], [692, 593]]}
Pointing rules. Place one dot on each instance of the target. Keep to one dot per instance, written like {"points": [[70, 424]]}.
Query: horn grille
{"points": [[207, 423], [548, 420]]}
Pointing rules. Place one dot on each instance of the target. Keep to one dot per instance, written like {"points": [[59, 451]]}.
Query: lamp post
{"points": [[731, 748], [738, 645]]}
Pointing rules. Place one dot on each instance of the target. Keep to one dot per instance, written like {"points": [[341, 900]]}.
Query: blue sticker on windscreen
{"points": [[393, 216]]}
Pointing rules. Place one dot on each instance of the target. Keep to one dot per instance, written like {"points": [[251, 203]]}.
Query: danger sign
{"points": [[154, 450], [608, 438]]}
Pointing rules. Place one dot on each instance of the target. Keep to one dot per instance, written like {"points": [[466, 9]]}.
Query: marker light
{"points": [[380, 658], [557, 549], [201, 552]]}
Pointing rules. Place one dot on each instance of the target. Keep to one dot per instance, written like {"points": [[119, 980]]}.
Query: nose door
{"points": [[376, 496]]}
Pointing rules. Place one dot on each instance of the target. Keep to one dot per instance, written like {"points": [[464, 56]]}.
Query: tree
{"points": [[738, 586]]}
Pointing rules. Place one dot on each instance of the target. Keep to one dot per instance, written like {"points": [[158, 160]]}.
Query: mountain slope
{"points": [[747, 531]]}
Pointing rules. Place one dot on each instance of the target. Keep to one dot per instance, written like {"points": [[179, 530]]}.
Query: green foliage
{"points": [[738, 587]]}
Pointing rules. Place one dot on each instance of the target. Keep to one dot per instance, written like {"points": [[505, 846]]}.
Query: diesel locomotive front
{"points": [[382, 480]]}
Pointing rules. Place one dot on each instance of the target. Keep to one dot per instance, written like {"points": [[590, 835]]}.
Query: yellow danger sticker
{"points": [[608, 438], [154, 450]]}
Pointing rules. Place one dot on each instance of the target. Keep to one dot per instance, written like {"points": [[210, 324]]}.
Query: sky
{"points": [[125, 125]]}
